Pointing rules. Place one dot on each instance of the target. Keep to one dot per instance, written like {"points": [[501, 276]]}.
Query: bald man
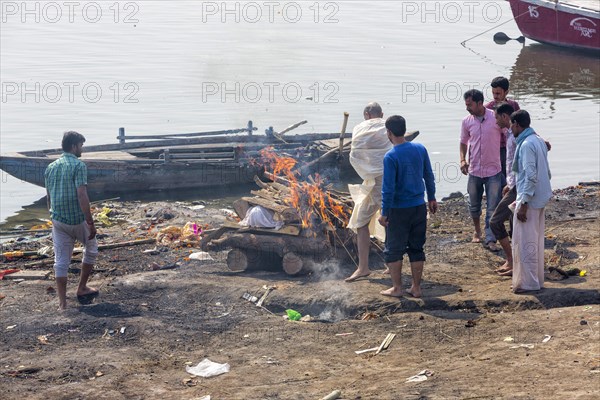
{"points": [[369, 145]]}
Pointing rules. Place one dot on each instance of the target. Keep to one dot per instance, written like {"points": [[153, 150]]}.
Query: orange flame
{"points": [[309, 200]]}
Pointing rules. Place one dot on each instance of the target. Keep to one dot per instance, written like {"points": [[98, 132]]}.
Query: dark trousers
{"points": [[503, 213], [503, 160], [406, 233]]}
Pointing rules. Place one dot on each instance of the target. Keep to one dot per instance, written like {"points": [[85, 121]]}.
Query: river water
{"points": [[189, 66]]}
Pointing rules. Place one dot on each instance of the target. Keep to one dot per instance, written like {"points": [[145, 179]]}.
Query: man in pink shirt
{"points": [[481, 137], [500, 87]]}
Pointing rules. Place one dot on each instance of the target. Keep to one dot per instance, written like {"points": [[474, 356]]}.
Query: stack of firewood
{"points": [[314, 218]]}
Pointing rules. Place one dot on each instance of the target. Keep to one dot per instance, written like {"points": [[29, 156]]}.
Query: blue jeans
{"points": [[493, 190]]}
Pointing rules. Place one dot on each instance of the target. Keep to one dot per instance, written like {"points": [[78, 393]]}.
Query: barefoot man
{"points": [[369, 146], [407, 174], [69, 205]]}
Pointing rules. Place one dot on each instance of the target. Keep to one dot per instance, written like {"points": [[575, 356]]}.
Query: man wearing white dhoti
{"points": [[533, 192], [369, 145]]}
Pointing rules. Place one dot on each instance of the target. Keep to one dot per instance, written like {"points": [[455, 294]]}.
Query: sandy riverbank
{"points": [[458, 330]]}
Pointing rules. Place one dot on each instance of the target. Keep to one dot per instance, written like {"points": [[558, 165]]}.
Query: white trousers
{"points": [[528, 251], [63, 238]]}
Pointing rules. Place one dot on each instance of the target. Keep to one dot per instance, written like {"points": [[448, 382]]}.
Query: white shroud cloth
{"points": [[369, 145]]}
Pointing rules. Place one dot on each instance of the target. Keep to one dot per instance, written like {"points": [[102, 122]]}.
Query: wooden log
{"points": [[280, 245], [238, 260], [294, 264], [292, 230]]}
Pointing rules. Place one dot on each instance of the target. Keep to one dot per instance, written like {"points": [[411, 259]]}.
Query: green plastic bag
{"points": [[293, 315]]}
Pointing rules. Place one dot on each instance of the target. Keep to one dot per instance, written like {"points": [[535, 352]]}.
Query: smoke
{"points": [[330, 273]]}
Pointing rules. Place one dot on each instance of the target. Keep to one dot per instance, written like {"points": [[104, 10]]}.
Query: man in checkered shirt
{"points": [[69, 205]]}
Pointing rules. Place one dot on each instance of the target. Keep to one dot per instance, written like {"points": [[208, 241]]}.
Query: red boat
{"points": [[573, 23]]}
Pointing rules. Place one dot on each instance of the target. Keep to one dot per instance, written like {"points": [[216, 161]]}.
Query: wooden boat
{"points": [[180, 161], [571, 23]]}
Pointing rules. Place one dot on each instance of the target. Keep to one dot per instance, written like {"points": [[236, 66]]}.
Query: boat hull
{"points": [[561, 24]]}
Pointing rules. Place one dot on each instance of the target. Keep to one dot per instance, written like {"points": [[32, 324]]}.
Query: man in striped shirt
{"points": [[69, 205]]}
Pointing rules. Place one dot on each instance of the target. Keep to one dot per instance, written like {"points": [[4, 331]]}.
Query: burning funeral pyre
{"points": [[309, 220]]}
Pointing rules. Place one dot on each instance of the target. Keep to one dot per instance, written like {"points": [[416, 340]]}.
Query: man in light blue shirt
{"points": [[533, 193]]}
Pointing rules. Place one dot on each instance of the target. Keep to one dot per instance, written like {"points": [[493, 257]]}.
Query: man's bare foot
{"points": [[62, 307], [391, 292], [414, 292], [357, 275], [508, 272], [386, 271], [504, 267], [476, 238], [87, 291]]}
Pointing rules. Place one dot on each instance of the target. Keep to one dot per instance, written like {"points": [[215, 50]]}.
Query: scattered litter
{"points": [[264, 296], [175, 236], [46, 251], [249, 297], [306, 318], [586, 308], [344, 334], [546, 338], [43, 339], [198, 207], [99, 374], [201, 256], [227, 212], [420, 377], [152, 252], [509, 339], [582, 273], [369, 316], [386, 342], [8, 328], [207, 368], [293, 315], [336, 394], [22, 370], [526, 345], [583, 322], [156, 267], [122, 331], [366, 350], [7, 271]]}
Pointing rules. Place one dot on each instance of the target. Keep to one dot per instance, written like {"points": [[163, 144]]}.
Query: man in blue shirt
{"points": [[406, 174]]}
